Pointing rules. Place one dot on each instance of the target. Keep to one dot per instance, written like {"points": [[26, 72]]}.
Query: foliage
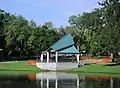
{"points": [[95, 32], [98, 29], [86, 26], [24, 36]]}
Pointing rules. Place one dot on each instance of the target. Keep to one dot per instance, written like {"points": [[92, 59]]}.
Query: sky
{"points": [[56, 11]]}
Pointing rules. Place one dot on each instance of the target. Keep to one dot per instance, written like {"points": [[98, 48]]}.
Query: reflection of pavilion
{"points": [[69, 80], [58, 80], [55, 59]]}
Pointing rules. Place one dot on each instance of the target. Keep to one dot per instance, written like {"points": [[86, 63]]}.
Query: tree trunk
{"points": [[10, 52], [112, 57]]}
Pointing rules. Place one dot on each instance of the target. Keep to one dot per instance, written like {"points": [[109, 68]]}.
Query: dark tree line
{"points": [[18, 35], [98, 32]]}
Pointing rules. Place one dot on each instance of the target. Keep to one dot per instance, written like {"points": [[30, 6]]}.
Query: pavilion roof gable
{"points": [[64, 45], [64, 42]]}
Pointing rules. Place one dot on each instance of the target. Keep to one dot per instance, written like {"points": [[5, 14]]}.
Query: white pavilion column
{"points": [[78, 58], [47, 83], [41, 58], [56, 57], [56, 84], [47, 57]]}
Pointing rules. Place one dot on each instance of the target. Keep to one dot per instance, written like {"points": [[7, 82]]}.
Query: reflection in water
{"points": [[58, 80]]}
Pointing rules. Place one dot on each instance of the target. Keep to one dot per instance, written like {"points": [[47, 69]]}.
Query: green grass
{"points": [[97, 68], [23, 68], [17, 67], [112, 70]]}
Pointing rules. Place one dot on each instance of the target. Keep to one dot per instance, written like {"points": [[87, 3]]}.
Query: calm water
{"points": [[58, 80]]}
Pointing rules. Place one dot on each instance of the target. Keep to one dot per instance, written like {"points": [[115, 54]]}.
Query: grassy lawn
{"points": [[17, 67], [23, 68], [98, 68]]}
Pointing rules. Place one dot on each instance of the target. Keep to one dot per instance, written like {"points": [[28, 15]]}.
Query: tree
{"points": [[48, 25], [61, 31], [111, 29], [87, 26], [32, 24], [14, 32]]}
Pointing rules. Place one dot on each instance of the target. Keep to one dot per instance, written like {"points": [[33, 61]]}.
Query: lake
{"points": [[58, 80]]}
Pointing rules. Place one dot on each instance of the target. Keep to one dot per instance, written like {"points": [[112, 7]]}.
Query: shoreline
{"points": [[20, 73]]}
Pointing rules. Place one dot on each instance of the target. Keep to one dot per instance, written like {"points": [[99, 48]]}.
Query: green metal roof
{"points": [[71, 50], [65, 45], [64, 42]]}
